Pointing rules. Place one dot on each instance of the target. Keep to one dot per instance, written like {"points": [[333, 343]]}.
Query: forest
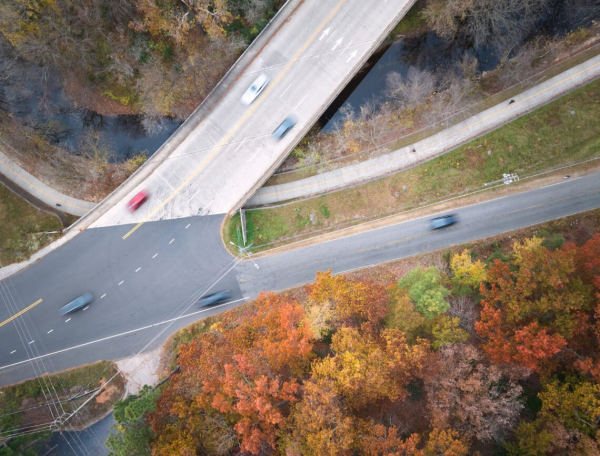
{"points": [[479, 355]]}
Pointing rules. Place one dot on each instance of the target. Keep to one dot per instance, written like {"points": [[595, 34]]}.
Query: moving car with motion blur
{"points": [[214, 298], [139, 199], [77, 303], [442, 222], [259, 84]]}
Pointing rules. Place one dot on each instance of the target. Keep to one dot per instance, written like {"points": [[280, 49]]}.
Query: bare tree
{"points": [[411, 89], [471, 397], [501, 23], [463, 307]]}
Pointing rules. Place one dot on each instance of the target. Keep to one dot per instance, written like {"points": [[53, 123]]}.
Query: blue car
{"points": [[78, 303], [214, 298], [284, 127], [442, 222]]}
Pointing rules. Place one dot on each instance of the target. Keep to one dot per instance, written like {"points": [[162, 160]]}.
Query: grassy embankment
{"points": [[23, 228], [549, 137], [23, 406]]}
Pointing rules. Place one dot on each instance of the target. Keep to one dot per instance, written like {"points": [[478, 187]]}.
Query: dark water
{"points": [[43, 106], [430, 52]]}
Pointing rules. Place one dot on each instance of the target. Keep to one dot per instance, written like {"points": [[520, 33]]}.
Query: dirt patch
{"points": [[108, 393]]}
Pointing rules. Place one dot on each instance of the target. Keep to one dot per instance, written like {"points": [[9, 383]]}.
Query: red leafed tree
{"points": [[530, 310], [354, 302], [236, 383], [586, 343]]}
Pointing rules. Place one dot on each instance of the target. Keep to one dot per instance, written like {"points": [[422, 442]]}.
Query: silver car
{"points": [[255, 89]]}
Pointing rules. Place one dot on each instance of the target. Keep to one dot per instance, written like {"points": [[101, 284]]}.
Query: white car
{"points": [[255, 89]]}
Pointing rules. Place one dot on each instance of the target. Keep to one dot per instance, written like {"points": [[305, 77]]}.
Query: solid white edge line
{"points": [[119, 335]]}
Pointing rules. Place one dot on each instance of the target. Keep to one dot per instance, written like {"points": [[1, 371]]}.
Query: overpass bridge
{"points": [[230, 152]]}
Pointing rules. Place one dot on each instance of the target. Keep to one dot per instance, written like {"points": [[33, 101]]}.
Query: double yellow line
{"points": [[240, 123], [20, 313]]}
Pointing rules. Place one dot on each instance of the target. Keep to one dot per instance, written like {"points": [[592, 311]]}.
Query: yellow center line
{"points": [[8, 320], [240, 123], [367, 167]]}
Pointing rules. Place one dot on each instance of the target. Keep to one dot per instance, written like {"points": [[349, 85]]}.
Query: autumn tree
{"points": [[321, 423], [404, 315], [549, 437], [353, 302], [381, 440], [447, 330], [175, 19], [237, 381], [368, 368], [529, 310], [475, 399], [426, 291], [574, 402], [466, 271]]}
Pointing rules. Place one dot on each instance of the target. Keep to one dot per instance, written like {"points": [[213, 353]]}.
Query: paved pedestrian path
{"points": [[13, 172], [434, 145]]}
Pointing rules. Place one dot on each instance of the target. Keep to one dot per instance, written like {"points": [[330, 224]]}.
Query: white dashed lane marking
{"points": [[171, 240], [31, 342], [50, 331], [138, 269], [155, 255], [85, 308], [188, 226], [13, 352], [121, 282], [102, 295], [67, 320]]}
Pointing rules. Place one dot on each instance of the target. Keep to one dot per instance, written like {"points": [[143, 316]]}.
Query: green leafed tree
{"points": [[426, 291], [133, 434]]}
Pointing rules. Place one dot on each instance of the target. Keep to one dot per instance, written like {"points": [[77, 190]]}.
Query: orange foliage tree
{"points": [[354, 302], [529, 309], [236, 382]]}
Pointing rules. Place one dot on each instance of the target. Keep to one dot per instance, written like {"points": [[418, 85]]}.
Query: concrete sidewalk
{"points": [[435, 145], [41, 191]]}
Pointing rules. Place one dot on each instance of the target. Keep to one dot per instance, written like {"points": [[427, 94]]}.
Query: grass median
{"points": [[562, 132], [23, 228]]}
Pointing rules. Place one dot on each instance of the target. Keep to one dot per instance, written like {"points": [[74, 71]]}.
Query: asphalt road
{"points": [[490, 218], [146, 285]]}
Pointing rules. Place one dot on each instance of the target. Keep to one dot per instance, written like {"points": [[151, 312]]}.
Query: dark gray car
{"points": [[78, 303], [214, 298]]}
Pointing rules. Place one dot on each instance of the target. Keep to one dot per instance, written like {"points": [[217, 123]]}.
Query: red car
{"points": [[137, 201]]}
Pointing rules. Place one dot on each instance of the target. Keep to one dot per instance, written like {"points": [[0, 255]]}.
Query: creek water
{"points": [[42, 104]]}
